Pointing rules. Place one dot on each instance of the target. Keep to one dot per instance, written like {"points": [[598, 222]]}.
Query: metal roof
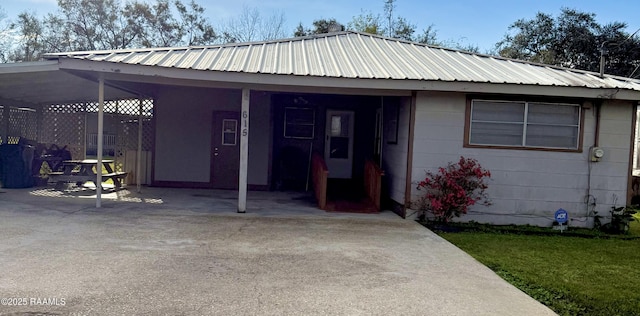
{"points": [[357, 56]]}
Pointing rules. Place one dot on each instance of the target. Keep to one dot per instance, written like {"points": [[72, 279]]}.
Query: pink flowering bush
{"points": [[454, 188]]}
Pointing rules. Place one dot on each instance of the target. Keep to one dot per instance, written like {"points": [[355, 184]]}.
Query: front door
{"points": [[225, 146], [338, 151]]}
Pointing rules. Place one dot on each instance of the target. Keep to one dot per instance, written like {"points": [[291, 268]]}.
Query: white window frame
{"points": [[234, 132], [525, 123]]}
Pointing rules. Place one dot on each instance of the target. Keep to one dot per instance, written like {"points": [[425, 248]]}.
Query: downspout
{"points": [[598, 108], [634, 122]]}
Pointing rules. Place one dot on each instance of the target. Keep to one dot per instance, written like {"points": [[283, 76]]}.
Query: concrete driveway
{"points": [[63, 256]]}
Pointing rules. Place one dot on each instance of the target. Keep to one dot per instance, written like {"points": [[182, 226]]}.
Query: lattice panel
{"points": [[76, 125], [128, 118], [64, 125], [127, 114], [22, 124]]}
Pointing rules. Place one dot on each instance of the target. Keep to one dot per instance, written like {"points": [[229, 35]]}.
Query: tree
{"points": [[29, 29], [56, 36], [155, 24], [573, 39], [97, 24], [429, 36], [621, 50], [389, 7], [386, 25], [402, 29], [533, 40], [250, 26], [300, 30], [6, 37], [320, 26], [397, 27], [197, 29], [366, 22], [106, 24]]}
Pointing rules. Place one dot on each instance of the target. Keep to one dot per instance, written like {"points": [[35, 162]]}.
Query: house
{"points": [[249, 115]]}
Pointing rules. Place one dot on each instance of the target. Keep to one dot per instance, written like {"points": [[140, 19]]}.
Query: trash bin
{"points": [[15, 172]]}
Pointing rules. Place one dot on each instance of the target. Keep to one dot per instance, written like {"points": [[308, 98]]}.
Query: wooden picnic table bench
{"points": [[82, 171]]}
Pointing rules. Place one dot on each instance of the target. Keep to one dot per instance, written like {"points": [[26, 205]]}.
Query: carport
{"points": [[42, 103]]}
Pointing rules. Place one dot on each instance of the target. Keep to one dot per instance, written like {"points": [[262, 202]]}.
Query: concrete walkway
{"points": [[180, 252]]}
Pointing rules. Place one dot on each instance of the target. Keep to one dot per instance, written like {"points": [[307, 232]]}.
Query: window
{"points": [[229, 132], [524, 124], [299, 123]]}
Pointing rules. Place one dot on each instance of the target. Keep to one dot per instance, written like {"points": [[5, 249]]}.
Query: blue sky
{"points": [[481, 23]]}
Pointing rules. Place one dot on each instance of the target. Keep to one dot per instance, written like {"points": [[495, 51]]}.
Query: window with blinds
{"points": [[524, 124]]}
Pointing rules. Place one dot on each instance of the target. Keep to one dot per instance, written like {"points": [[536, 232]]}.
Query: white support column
{"points": [[244, 151], [86, 115], [100, 136], [139, 155]]}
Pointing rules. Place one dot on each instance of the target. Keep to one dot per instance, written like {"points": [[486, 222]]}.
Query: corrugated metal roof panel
{"points": [[356, 55], [190, 58], [134, 57]]}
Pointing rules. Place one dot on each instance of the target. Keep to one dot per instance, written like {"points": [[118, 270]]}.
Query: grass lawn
{"points": [[571, 275]]}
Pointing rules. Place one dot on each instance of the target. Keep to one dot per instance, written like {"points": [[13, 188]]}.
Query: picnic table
{"points": [[83, 171]]}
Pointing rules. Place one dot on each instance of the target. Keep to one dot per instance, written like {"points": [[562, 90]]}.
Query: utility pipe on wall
{"points": [[598, 108]]}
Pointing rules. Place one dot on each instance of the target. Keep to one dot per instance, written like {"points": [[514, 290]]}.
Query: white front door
{"points": [[338, 145]]}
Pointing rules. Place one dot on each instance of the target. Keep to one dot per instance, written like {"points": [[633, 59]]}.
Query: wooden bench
{"points": [[373, 182], [319, 175]]}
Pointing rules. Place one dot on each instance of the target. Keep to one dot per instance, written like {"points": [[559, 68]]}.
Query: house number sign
{"points": [[245, 123]]}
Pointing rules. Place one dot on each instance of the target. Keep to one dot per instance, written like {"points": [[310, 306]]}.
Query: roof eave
{"points": [[24, 67], [266, 80]]}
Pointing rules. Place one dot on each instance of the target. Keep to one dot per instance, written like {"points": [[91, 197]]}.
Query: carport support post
{"points": [[5, 124], [139, 155], [244, 151], [100, 136]]}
